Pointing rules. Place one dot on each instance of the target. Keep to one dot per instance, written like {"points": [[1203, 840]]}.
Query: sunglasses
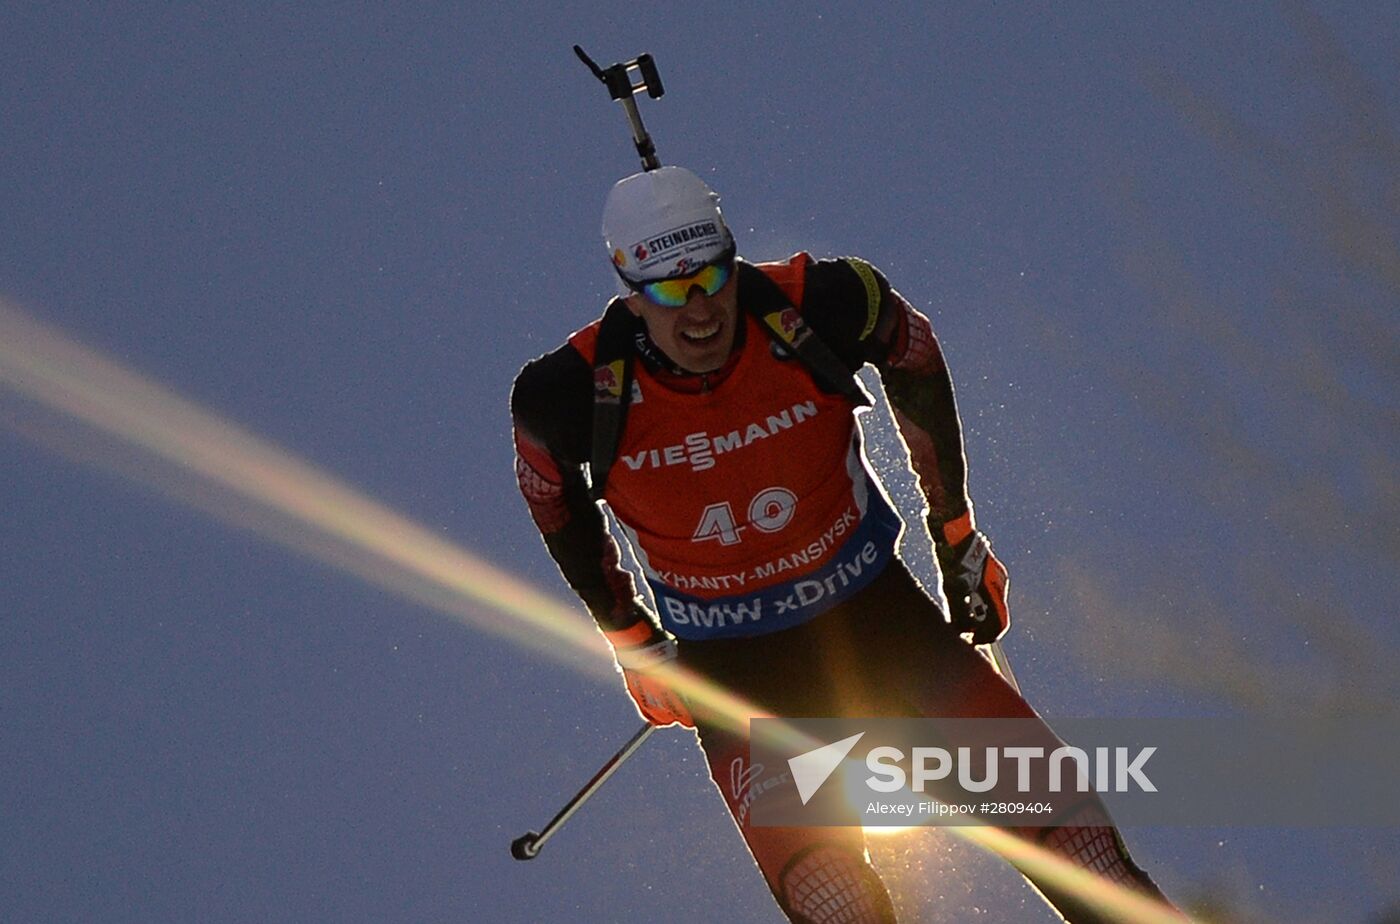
{"points": [[675, 292]]}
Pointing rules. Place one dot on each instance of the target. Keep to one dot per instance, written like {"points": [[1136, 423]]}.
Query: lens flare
{"points": [[220, 467], [223, 469], [40, 363]]}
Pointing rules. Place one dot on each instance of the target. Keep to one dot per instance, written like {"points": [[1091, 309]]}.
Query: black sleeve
{"points": [[853, 308], [551, 409], [553, 399], [844, 301]]}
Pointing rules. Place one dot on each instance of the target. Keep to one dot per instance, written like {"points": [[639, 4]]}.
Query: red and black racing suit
{"points": [[768, 546]]}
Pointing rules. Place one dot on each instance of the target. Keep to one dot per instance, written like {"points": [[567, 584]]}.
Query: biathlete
{"points": [[713, 409]]}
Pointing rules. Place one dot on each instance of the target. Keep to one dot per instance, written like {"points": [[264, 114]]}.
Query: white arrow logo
{"points": [[810, 770]]}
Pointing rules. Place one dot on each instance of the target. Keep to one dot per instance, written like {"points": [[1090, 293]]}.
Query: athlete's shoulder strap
{"points": [[612, 389], [615, 352], [770, 306]]}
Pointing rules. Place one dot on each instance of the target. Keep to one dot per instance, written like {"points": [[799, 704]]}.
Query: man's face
{"points": [[699, 335]]}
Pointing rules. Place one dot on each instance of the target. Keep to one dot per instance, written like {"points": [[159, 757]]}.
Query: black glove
{"points": [[974, 581]]}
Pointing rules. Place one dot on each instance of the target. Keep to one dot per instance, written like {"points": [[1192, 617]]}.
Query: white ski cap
{"points": [[661, 223]]}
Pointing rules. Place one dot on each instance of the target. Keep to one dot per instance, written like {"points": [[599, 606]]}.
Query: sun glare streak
{"points": [[293, 502], [39, 362], [1127, 905], [314, 513]]}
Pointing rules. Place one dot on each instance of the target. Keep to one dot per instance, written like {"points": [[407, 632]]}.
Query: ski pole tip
{"points": [[525, 847]]}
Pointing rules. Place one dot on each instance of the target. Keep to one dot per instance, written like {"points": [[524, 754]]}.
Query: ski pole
{"points": [[1002, 663], [981, 609], [528, 845]]}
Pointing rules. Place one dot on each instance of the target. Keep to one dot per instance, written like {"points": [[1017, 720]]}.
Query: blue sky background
{"points": [[1159, 242]]}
